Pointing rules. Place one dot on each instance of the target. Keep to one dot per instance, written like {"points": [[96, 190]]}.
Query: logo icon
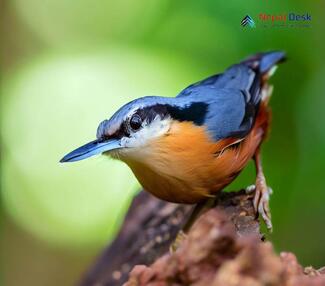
{"points": [[248, 22]]}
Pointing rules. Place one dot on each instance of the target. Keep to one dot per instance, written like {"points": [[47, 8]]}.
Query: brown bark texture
{"points": [[223, 247]]}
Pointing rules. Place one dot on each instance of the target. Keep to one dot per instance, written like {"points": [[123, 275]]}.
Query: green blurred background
{"points": [[67, 65]]}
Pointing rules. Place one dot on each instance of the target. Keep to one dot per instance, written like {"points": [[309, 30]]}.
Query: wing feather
{"points": [[233, 97]]}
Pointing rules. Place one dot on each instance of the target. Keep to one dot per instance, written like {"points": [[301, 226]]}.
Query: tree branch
{"points": [[223, 247]]}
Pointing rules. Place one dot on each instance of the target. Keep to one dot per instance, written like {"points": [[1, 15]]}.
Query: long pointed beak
{"points": [[90, 149]]}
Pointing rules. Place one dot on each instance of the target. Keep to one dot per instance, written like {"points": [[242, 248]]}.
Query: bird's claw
{"points": [[250, 189], [261, 201], [181, 236]]}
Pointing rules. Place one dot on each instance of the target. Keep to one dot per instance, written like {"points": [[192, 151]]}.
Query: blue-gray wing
{"points": [[222, 111], [232, 99]]}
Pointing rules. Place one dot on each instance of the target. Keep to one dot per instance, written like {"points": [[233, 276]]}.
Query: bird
{"points": [[186, 149]]}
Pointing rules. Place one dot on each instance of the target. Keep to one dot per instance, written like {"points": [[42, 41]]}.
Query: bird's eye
{"points": [[135, 122]]}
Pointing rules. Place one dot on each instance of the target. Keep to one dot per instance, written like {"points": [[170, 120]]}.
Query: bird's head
{"points": [[129, 130]]}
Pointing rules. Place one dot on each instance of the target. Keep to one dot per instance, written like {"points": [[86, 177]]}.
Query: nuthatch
{"points": [[188, 148]]}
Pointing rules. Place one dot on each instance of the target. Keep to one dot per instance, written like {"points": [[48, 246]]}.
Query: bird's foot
{"points": [[181, 236], [250, 189], [261, 200]]}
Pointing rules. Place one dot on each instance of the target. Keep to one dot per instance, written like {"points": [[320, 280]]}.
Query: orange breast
{"points": [[186, 166]]}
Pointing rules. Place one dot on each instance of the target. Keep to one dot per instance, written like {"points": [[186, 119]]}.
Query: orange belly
{"points": [[186, 166]]}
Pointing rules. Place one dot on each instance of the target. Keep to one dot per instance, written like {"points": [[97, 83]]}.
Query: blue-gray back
{"points": [[233, 97]]}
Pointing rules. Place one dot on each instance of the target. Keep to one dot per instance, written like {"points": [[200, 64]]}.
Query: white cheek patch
{"points": [[148, 132]]}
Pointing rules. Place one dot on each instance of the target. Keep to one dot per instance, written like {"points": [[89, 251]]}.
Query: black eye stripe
{"points": [[195, 112], [148, 114]]}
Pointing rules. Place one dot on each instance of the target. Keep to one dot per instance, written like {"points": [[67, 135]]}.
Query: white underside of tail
{"points": [[266, 92]]}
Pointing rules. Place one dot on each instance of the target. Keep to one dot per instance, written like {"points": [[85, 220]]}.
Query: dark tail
{"points": [[240, 75], [264, 62]]}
